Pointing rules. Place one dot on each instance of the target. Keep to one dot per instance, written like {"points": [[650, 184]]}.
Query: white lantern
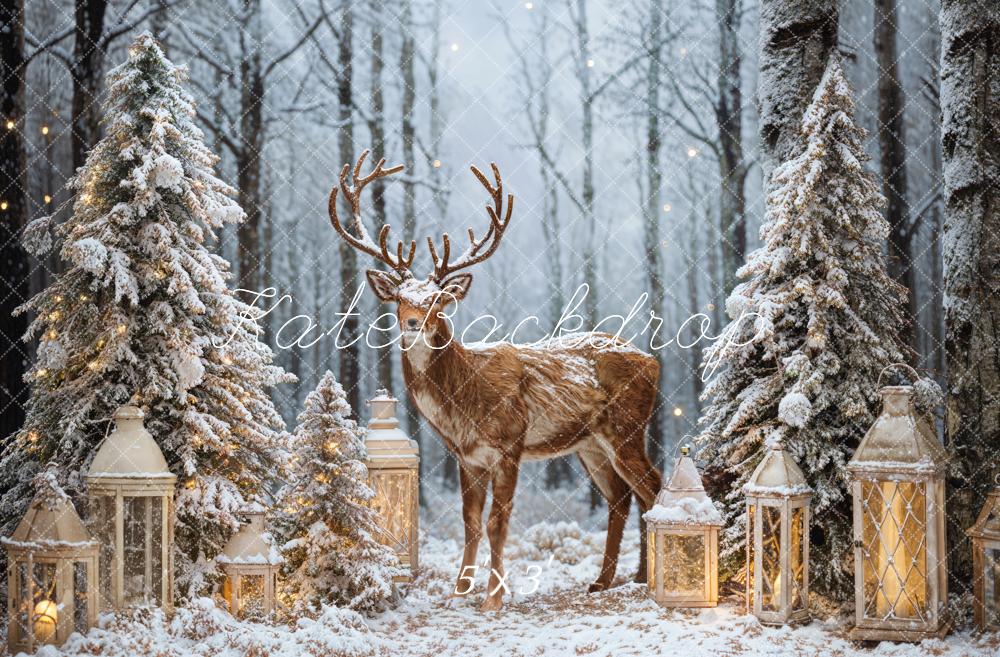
{"points": [[393, 469], [985, 535], [900, 575], [777, 564], [51, 576], [250, 561], [131, 494], [683, 541]]}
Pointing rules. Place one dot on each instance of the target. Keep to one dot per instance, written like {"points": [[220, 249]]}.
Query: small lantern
{"points": [[131, 494], [985, 535], [900, 575], [683, 541], [778, 539], [251, 562], [51, 573], [393, 461]]}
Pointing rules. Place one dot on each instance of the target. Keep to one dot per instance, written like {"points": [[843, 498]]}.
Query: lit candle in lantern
{"points": [[44, 621]]}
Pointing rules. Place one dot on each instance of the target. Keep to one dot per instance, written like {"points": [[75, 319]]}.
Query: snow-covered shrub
{"points": [[815, 321], [331, 554]]}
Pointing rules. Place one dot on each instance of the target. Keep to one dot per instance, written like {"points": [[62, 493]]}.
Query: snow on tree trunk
{"points": [[332, 556], [970, 103], [814, 324], [143, 314], [797, 38]]}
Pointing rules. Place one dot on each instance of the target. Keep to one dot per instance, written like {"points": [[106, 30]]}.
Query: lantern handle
{"points": [[913, 372]]}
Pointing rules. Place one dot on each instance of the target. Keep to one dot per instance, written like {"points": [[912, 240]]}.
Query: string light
{"points": [[10, 124], [52, 335], [437, 164], [666, 207], [58, 298], [85, 198], [590, 63], [678, 411], [54, 316], [684, 52], [45, 129], [48, 199], [711, 306], [121, 329], [227, 360], [692, 152], [33, 436], [529, 5], [42, 373], [454, 47], [84, 297], [3, 205], [93, 365]]}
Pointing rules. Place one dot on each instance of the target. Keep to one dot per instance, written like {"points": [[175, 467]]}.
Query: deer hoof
{"points": [[597, 587], [491, 604]]}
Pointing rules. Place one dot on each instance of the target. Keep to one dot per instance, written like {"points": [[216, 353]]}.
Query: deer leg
{"points": [[504, 483], [474, 481], [634, 466], [619, 498]]}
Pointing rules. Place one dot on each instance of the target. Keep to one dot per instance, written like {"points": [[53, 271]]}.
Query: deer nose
{"points": [[411, 324]]}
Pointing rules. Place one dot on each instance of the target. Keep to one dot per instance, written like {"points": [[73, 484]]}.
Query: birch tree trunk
{"points": [[248, 163], [892, 159], [970, 103], [797, 39], [729, 117], [13, 259]]}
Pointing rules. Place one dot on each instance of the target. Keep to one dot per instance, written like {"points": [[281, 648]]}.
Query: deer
{"points": [[500, 404]]}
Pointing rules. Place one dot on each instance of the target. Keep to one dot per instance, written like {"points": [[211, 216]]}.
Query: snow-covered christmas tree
{"points": [[331, 554], [142, 314], [815, 321]]}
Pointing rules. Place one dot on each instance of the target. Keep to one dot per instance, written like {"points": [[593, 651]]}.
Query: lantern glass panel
{"points": [[44, 615], [393, 501], [25, 606], [251, 596], [80, 601], [894, 531], [103, 529], [143, 550], [651, 560], [770, 558], [797, 557], [685, 555], [991, 585]]}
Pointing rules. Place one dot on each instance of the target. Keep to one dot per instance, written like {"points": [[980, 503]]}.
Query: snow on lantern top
{"points": [[987, 525], [383, 426], [902, 440], [50, 522], [130, 451], [252, 543], [777, 475], [683, 501]]}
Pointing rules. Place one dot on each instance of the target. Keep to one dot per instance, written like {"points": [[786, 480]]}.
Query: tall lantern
{"points": [[985, 535], [393, 467], [131, 494], [683, 541], [900, 574], [51, 575], [777, 564], [250, 561]]}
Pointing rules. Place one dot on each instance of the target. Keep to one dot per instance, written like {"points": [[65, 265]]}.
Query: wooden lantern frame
{"points": [[130, 466], [899, 462], [985, 535], [56, 537], [777, 483], [393, 464], [249, 553], [683, 511]]}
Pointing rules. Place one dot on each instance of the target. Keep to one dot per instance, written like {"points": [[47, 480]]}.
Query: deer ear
{"points": [[457, 286], [383, 285]]}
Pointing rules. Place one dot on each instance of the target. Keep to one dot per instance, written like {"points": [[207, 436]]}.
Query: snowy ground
{"points": [[550, 613]]}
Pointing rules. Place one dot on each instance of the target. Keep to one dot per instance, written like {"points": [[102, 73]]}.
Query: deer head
{"points": [[419, 302]]}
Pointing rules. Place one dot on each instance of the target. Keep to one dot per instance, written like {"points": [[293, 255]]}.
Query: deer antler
{"points": [[363, 241], [474, 253]]}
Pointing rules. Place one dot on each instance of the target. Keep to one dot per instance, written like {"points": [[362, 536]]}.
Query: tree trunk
{"points": [[584, 64], [248, 163], [406, 65], [651, 210], [159, 23], [350, 356], [729, 117], [14, 260], [87, 73], [970, 103], [892, 160], [377, 130], [797, 39]]}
